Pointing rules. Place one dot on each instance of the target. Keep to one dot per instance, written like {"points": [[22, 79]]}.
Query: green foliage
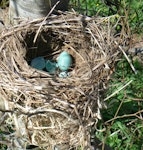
{"points": [[124, 73], [90, 7], [131, 9], [124, 130], [4, 3], [2, 146]]}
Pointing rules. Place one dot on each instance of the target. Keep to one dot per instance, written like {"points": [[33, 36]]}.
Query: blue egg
{"points": [[38, 63], [64, 61], [51, 67]]}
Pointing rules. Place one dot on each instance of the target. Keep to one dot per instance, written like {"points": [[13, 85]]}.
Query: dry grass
{"points": [[46, 110]]}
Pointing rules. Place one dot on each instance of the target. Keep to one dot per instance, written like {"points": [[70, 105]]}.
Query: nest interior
{"points": [[46, 110]]}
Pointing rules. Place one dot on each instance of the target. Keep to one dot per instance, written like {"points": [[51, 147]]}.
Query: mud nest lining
{"points": [[46, 110]]}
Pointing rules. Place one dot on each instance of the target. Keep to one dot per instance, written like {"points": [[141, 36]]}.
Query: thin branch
{"points": [[121, 88], [35, 38], [126, 116], [129, 61]]}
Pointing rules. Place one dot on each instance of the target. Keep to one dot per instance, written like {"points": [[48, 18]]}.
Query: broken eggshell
{"points": [[51, 66], [38, 63], [64, 61], [63, 74]]}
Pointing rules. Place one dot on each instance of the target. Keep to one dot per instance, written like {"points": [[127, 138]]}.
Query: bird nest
{"points": [[43, 109]]}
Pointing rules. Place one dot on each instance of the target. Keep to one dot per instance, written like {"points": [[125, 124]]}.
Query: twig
{"points": [[118, 90], [129, 61], [125, 116], [35, 38], [30, 113], [99, 64], [74, 50]]}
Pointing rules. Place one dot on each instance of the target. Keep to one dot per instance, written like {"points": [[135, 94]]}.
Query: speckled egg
{"points": [[64, 61], [38, 63]]}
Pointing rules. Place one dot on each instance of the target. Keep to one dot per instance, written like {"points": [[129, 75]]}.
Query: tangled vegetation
{"points": [[122, 126], [131, 9], [123, 119]]}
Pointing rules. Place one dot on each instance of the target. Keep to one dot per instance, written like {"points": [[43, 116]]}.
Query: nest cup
{"points": [[46, 110]]}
